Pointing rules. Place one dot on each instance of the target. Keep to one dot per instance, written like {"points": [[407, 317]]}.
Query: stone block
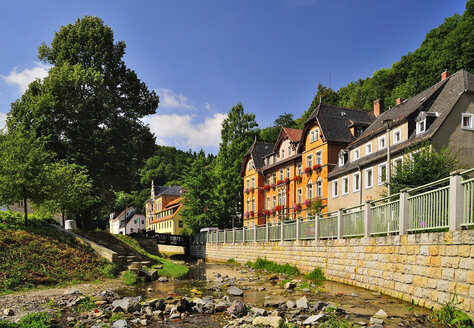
{"points": [[434, 250], [452, 250], [462, 289], [464, 250], [466, 263], [448, 274], [448, 238]]}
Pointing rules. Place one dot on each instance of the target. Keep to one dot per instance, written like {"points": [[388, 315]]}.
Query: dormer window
{"points": [[467, 122], [314, 135], [289, 151], [359, 131], [421, 126], [282, 153], [341, 160], [382, 144], [250, 166]]}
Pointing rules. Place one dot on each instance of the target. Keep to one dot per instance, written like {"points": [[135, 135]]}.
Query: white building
{"points": [[126, 222]]}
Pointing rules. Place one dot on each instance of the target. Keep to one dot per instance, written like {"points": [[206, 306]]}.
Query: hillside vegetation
{"points": [[39, 255]]}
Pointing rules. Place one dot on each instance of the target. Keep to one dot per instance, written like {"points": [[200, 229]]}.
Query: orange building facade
{"points": [[288, 179]]}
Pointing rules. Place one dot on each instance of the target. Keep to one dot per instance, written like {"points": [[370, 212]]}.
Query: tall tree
{"points": [[90, 105], [237, 134], [323, 94], [270, 134], [24, 169]]}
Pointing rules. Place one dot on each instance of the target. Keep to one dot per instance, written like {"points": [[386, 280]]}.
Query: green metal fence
{"points": [[428, 207], [275, 231], [386, 215], [261, 233], [307, 229], [328, 226], [353, 222], [468, 208], [289, 232], [249, 234], [239, 235], [228, 236], [220, 236]]}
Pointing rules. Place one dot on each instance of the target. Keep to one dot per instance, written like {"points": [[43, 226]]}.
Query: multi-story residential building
{"points": [[126, 222], [285, 179], [169, 219], [440, 115]]}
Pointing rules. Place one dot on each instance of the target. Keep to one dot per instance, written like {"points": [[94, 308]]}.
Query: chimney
{"points": [[400, 100], [378, 107], [445, 74]]}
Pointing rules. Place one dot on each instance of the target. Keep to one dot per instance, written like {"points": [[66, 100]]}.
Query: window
{"points": [[368, 148], [268, 203], [288, 172], [356, 182], [180, 223], [359, 131], [341, 160], [421, 126], [319, 157], [345, 185], [397, 136], [289, 151], [281, 174], [368, 178], [314, 135], [248, 183], [335, 186], [250, 167], [382, 142], [319, 187], [299, 169], [253, 182], [309, 190], [309, 161], [356, 153], [131, 229], [282, 153], [253, 204], [274, 177], [467, 121], [299, 195], [397, 162], [143, 221], [248, 205], [382, 173], [274, 201]]}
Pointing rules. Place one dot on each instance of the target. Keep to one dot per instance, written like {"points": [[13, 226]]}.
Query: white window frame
{"points": [[314, 135], [369, 183], [341, 160], [289, 151], [319, 187], [471, 121], [356, 152], [395, 160], [380, 181], [394, 133], [319, 157], [274, 201], [299, 169], [248, 183], [382, 138], [419, 126], [253, 182], [345, 183], [288, 172], [368, 148], [282, 153], [250, 166], [335, 186], [309, 161], [282, 174], [309, 190], [299, 195], [253, 204], [268, 203]]}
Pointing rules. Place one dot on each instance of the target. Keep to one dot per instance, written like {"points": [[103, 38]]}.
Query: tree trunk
{"points": [[62, 217], [25, 204]]}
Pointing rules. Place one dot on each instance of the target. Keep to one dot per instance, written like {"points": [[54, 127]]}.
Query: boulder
{"points": [[376, 321], [163, 279], [8, 312], [290, 304], [235, 291], [222, 306], [258, 311], [302, 303], [380, 314], [127, 304], [267, 321], [313, 319], [237, 308], [289, 285]]}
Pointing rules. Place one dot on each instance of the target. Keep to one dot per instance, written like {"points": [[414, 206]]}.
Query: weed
{"points": [[273, 267], [33, 320], [287, 325], [232, 262], [249, 263], [316, 275], [283, 282], [110, 270], [450, 315], [85, 305], [131, 278], [333, 321], [116, 316]]}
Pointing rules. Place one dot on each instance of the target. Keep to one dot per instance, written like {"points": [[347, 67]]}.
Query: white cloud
{"points": [[171, 100], [184, 131], [23, 78], [3, 119], [210, 107]]}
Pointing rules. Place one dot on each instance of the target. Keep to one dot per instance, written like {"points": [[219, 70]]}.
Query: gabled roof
{"points": [[335, 121], [293, 134], [168, 191], [257, 152]]}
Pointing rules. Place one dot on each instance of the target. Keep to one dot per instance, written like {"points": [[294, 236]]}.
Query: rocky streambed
{"points": [[218, 295]]}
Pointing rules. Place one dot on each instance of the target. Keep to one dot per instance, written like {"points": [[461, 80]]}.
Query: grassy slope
{"points": [[33, 257], [169, 269]]}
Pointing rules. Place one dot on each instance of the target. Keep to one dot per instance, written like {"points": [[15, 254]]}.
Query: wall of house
{"points": [[256, 195], [428, 268], [133, 226], [450, 132], [114, 226]]}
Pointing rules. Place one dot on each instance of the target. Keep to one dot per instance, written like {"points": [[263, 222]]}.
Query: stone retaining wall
{"points": [[428, 268]]}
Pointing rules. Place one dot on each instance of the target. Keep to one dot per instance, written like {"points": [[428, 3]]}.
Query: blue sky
{"points": [[203, 57]]}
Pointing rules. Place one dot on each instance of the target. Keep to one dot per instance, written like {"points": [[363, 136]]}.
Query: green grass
{"points": [[267, 265], [116, 316], [34, 320], [86, 304], [131, 278], [451, 316], [38, 255], [334, 321], [316, 275], [232, 262], [169, 268]]}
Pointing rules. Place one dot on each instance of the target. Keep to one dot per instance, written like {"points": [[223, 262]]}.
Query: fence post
{"points": [[244, 239], [404, 211], [282, 231], [255, 233], [233, 235], [456, 201], [340, 224], [225, 236], [316, 227], [267, 232], [297, 228], [367, 219]]}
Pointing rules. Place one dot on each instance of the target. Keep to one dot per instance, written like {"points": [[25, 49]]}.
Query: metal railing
{"points": [[428, 206], [421, 209], [386, 215]]}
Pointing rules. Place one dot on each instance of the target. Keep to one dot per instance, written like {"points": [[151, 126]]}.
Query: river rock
{"points": [[313, 319], [127, 304], [273, 276], [237, 308], [380, 314], [163, 279], [222, 306], [121, 324], [376, 321], [376, 326], [289, 285], [8, 312], [145, 322], [302, 303], [235, 291], [267, 321], [290, 304], [258, 311]]}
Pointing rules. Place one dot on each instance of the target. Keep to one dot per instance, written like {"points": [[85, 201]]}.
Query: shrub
{"points": [[33, 320], [450, 315], [131, 278], [232, 261], [86, 304], [110, 270], [267, 265], [316, 275]]}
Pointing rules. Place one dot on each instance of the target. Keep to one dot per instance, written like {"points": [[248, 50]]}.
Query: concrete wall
{"points": [[428, 268]]}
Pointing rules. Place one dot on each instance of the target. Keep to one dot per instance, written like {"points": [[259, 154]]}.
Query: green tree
{"points": [[200, 200], [271, 133], [237, 134], [325, 95], [90, 105], [425, 166], [24, 169]]}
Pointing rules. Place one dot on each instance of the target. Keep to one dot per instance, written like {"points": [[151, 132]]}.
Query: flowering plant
{"points": [[307, 170], [307, 202], [297, 178], [267, 213], [297, 207], [278, 182], [246, 214], [266, 187], [286, 180], [251, 213], [317, 167], [278, 208], [272, 211]]}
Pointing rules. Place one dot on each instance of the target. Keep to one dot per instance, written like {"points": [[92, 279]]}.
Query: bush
{"points": [[9, 219], [232, 262], [131, 278], [450, 315], [110, 270], [33, 320], [267, 265], [316, 275]]}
